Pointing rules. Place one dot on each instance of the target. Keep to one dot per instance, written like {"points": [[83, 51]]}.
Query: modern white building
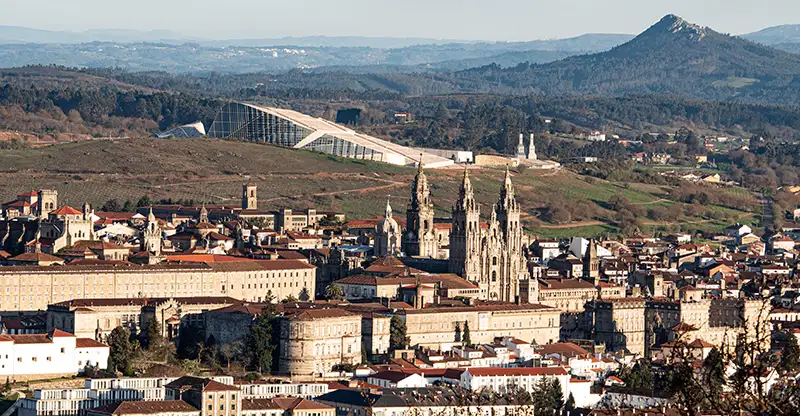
{"points": [[287, 128], [97, 392], [500, 378], [31, 356]]}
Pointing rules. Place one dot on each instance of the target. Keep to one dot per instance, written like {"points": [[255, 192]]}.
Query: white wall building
{"points": [[33, 356], [500, 378]]}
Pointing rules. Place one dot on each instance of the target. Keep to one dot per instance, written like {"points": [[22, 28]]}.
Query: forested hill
{"points": [[673, 56]]}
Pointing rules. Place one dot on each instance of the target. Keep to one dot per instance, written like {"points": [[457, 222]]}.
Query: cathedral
{"points": [[492, 255], [420, 237]]}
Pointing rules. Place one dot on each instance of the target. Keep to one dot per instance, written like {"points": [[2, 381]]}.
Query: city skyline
{"points": [[464, 20]]}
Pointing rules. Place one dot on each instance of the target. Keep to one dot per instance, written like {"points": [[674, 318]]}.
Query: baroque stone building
{"points": [[493, 257], [388, 235], [420, 236]]}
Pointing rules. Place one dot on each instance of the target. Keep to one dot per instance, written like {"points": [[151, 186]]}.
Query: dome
{"points": [[387, 225]]}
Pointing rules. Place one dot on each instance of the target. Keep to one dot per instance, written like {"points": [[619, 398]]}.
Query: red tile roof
{"points": [[146, 408], [57, 333], [66, 210], [89, 343], [519, 371]]}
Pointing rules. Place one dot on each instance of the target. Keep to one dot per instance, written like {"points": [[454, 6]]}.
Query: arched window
{"points": [[494, 261], [494, 276]]}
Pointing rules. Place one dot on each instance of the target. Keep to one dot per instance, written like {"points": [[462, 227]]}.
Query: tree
{"points": [[458, 332], [154, 338], [547, 395], [569, 406], [144, 201], [112, 205], [334, 292], [465, 338], [714, 371], [259, 341], [790, 358], [289, 299], [121, 350], [557, 395], [304, 296], [397, 334]]}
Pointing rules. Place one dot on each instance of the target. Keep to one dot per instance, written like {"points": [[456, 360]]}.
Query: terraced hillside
{"points": [[213, 170]]}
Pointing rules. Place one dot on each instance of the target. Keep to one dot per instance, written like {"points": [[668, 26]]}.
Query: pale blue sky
{"points": [[449, 19]]}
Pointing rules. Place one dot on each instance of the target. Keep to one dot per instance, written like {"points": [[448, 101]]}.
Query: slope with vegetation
{"points": [[209, 170]]}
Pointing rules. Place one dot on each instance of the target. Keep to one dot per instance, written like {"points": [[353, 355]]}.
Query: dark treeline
{"points": [[96, 105]]}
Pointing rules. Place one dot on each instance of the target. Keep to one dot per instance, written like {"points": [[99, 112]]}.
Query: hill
{"points": [[775, 35], [213, 170], [386, 55], [673, 56]]}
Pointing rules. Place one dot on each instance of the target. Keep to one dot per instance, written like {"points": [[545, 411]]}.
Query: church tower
{"points": [[420, 237], [249, 196], [521, 147], [203, 214], [47, 202], [387, 235], [151, 236], [465, 236], [591, 264], [514, 267], [532, 150]]}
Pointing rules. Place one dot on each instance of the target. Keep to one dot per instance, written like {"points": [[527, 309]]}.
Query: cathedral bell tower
{"points": [[249, 196], [465, 236], [151, 237], [420, 239]]}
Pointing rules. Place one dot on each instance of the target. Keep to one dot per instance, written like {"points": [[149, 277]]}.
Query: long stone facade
{"points": [[436, 327], [34, 288]]}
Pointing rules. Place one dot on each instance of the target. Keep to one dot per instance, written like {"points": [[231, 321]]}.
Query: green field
{"points": [[213, 170]]}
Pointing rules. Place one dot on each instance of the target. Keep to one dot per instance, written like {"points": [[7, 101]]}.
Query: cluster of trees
{"points": [[133, 353], [102, 105]]}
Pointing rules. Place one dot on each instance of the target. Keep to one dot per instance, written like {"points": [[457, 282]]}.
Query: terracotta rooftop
{"points": [[518, 371], [66, 210], [197, 383], [100, 302], [146, 407], [89, 343]]}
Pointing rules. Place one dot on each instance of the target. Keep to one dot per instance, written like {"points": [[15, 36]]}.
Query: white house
{"points": [[116, 230], [397, 379], [55, 353], [738, 230], [596, 136], [500, 379]]}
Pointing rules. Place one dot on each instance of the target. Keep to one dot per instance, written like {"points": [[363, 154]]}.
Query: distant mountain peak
{"points": [[677, 25]]}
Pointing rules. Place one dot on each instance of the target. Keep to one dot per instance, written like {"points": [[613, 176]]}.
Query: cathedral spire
{"points": [[150, 216], [388, 213], [466, 196], [420, 165], [203, 213], [507, 201]]}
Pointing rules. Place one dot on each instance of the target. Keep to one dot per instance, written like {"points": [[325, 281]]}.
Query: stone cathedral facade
{"points": [[492, 255], [420, 237]]}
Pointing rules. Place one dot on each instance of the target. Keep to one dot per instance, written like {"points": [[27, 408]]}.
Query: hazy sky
{"points": [[448, 19]]}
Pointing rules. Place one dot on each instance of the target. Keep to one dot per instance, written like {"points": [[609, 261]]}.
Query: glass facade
{"points": [[340, 147], [243, 122]]}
